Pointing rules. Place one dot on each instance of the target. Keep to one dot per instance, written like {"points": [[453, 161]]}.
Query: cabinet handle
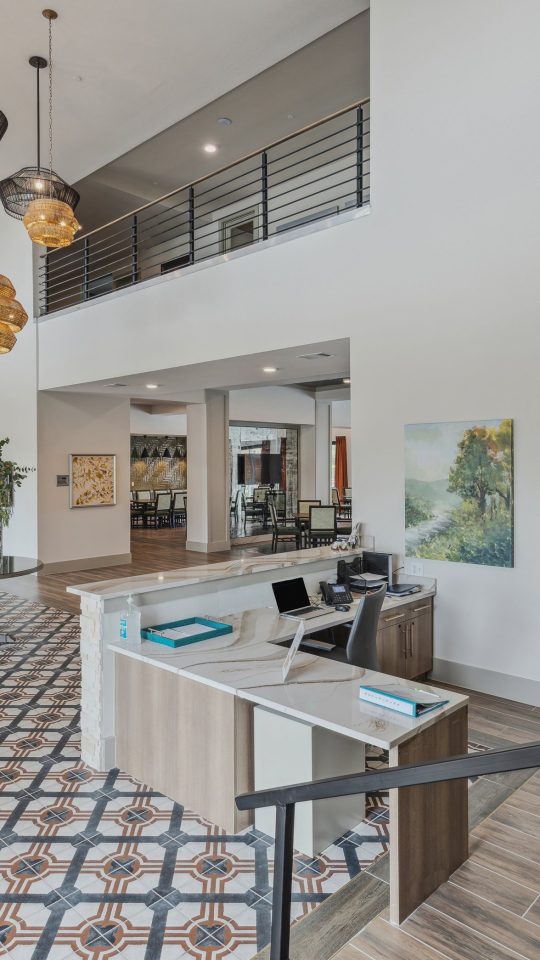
{"points": [[404, 649], [427, 606], [398, 617], [411, 628]]}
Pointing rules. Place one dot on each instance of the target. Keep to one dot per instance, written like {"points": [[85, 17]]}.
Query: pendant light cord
{"points": [[50, 110]]}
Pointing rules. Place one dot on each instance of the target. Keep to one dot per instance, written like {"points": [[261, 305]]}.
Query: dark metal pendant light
{"points": [[35, 183], [3, 124]]}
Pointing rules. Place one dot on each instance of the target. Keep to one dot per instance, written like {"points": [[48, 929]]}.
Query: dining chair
{"points": [[160, 516], [322, 525], [348, 493], [335, 497], [283, 530], [178, 512], [302, 509], [144, 494]]}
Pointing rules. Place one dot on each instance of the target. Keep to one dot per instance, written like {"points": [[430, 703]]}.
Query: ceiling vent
{"points": [[116, 384], [314, 356]]}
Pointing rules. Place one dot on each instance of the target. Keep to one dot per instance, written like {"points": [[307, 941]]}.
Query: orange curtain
{"points": [[342, 479]]}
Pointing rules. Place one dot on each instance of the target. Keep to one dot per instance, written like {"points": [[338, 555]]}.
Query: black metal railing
{"points": [[310, 175], [284, 799]]}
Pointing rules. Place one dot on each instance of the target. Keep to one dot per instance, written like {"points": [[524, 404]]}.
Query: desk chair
{"points": [[282, 531], [322, 525], [361, 647]]}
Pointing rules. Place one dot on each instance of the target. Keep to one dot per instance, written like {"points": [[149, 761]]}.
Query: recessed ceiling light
{"points": [[224, 121], [346, 379], [270, 369], [152, 386], [210, 148]]}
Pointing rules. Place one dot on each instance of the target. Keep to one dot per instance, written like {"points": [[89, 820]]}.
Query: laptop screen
{"points": [[290, 594]]}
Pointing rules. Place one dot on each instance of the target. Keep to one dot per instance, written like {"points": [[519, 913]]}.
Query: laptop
{"points": [[293, 601]]}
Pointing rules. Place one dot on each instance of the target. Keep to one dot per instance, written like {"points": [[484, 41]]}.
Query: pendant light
{"points": [[7, 339], [49, 219], [3, 124], [12, 314], [37, 184]]}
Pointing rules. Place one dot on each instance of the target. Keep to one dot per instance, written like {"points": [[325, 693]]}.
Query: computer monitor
{"points": [[290, 594], [379, 563]]}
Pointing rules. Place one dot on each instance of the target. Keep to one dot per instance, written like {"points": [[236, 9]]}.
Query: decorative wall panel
{"points": [[158, 462]]}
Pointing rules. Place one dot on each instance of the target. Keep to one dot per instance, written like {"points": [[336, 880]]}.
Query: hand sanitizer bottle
{"points": [[130, 623]]}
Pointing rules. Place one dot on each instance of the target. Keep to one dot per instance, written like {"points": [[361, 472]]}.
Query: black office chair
{"points": [[361, 649]]}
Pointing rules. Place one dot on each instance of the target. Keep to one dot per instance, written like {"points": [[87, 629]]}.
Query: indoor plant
{"points": [[11, 476]]}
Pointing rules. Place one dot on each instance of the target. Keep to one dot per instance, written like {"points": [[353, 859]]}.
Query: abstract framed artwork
{"points": [[459, 492], [93, 479]]}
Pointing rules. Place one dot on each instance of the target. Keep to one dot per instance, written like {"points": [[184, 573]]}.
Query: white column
{"points": [[208, 520], [306, 456], [323, 449]]}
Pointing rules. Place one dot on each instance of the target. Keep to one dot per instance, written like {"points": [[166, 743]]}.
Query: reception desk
{"points": [[195, 722]]}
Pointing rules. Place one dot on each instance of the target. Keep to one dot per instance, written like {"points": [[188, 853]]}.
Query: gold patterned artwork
{"points": [[93, 479]]}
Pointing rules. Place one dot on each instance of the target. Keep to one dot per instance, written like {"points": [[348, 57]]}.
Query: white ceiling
{"points": [[313, 82], [128, 69], [185, 384]]}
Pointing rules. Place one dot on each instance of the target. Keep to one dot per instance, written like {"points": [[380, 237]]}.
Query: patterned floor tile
{"points": [[97, 866]]}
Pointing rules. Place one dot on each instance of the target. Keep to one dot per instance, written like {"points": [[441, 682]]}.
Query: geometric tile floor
{"points": [[99, 866]]}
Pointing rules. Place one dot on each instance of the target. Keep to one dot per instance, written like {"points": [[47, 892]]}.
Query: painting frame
{"points": [[80, 487], [460, 491]]}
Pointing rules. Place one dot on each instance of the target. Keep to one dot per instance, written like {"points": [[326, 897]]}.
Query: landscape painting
{"points": [[459, 492]]}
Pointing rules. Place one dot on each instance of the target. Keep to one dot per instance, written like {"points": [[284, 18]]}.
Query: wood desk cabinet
{"points": [[405, 639]]}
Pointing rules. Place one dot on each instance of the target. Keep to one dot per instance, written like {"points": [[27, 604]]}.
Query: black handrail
{"points": [[284, 799], [308, 175]]}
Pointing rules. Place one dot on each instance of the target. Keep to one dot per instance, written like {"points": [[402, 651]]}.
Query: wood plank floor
{"points": [[152, 551], [490, 907]]}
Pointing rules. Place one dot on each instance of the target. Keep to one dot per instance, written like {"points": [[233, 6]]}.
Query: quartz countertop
{"points": [[150, 582], [248, 663]]}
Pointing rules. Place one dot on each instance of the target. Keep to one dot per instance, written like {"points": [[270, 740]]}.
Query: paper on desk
{"points": [[292, 651], [183, 633]]}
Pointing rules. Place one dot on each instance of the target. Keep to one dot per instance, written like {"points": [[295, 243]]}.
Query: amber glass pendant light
{"points": [[49, 218]]}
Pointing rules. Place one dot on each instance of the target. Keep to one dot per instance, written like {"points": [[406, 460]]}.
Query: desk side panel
{"points": [[186, 739]]}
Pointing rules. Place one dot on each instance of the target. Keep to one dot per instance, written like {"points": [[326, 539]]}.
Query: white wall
{"points": [[438, 290], [168, 424], [79, 423], [272, 405], [18, 391]]}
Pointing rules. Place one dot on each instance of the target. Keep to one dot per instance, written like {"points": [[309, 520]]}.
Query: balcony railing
{"points": [[310, 175], [284, 799]]}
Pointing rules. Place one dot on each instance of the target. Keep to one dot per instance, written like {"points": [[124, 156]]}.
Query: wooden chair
{"points": [[160, 516], [178, 511], [282, 531], [322, 525]]}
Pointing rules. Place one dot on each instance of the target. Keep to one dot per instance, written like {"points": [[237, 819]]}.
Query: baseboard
{"points": [[487, 681], [88, 563], [215, 546]]}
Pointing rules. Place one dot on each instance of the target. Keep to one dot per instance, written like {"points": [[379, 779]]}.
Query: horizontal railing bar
{"points": [[524, 757], [205, 246], [312, 143], [224, 206], [228, 166], [225, 183], [320, 153], [297, 213], [298, 187], [107, 267], [308, 196]]}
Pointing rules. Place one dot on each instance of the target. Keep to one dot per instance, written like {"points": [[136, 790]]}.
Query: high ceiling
{"points": [[327, 74], [308, 365], [127, 69]]}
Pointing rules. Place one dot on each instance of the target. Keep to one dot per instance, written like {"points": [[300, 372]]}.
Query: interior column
{"points": [[323, 449], [208, 520]]}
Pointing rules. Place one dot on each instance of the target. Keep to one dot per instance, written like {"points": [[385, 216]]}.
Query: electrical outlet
{"points": [[416, 569]]}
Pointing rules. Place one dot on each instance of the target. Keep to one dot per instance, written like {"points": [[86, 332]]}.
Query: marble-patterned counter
{"points": [[248, 663]]}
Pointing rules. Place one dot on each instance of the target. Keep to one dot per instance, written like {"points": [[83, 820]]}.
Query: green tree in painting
{"points": [[479, 529], [476, 470]]}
